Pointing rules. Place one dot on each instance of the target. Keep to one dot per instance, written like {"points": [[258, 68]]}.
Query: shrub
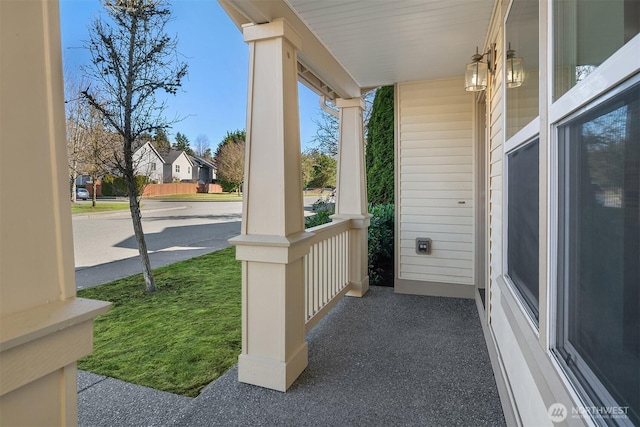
{"points": [[380, 252], [321, 217], [381, 232], [227, 186], [324, 207], [115, 185]]}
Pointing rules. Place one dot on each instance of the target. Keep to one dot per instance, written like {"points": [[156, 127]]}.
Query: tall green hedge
{"points": [[380, 238], [380, 153], [116, 186]]}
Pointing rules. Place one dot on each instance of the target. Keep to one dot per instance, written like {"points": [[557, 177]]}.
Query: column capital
{"points": [[357, 220], [271, 249], [350, 102], [274, 29]]}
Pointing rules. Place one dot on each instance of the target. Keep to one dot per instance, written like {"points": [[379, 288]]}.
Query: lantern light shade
{"points": [[515, 69], [475, 77]]}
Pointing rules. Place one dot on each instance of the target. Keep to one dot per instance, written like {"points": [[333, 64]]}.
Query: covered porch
{"points": [[292, 276]]}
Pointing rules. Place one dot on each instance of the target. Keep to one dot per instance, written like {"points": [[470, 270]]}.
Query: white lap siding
{"points": [[435, 182]]}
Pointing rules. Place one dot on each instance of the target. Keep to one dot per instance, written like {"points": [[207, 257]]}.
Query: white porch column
{"points": [[44, 328], [351, 197], [273, 241]]}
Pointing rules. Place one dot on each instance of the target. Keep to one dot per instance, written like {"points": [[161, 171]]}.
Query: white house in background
{"points": [[528, 190], [162, 167], [177, 166], [148, 162]]}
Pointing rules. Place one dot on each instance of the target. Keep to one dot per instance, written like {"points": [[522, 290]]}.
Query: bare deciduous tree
{"points": [[328, 126], [88, 142], [201, 145], [97, 159], [133, 60], [230, 161], [327, 129], [76, 111]]}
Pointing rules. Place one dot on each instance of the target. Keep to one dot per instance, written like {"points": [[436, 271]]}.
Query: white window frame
{"points": [[621, 66], [177, 168], [612, 76], [585, 370]]}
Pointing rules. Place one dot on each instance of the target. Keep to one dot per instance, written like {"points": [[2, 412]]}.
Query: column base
{"points": [[270, 373], [358, 289]]}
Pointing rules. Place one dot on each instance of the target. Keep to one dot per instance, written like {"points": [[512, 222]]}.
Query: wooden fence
{"points": [[154, 190]]}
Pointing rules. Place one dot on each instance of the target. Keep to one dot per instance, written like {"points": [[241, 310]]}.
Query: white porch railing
{"points": [[326, 269]]}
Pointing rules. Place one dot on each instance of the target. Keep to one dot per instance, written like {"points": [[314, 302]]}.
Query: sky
{"points": [[213, 98]]}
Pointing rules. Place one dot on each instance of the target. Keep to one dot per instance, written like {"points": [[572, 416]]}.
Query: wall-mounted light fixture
{"points": [[515, 69], [477, 74]]}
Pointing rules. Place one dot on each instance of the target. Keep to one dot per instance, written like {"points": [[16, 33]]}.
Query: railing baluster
{"points": [[326, 267], [316, 280], [336, 257], [325, 273], [342, 262], [306, 288]]}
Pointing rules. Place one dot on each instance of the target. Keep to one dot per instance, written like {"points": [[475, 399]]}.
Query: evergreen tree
{"points": [[182, 144], [318, 169], [236, 136], [380, 148], [160, 141]]}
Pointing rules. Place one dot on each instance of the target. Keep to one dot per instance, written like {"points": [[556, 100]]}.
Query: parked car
{"points": [[82, 194]]}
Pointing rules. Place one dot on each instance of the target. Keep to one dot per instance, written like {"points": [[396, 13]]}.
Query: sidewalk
{"points": [[104, 401]]}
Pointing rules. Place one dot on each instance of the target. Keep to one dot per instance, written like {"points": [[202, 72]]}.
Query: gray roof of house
{"points": [[202, 162], [172, 155]]}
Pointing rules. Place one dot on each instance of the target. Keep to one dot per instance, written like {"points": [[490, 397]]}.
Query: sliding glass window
{"points": [[598, 325]]}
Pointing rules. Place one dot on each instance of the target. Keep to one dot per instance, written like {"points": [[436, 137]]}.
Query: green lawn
{"points": [[202, 196], [100, 207], [178, 339]]}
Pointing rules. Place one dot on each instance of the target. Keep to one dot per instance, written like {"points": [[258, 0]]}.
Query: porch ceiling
{"points": [[369, 43], [381, 42]]}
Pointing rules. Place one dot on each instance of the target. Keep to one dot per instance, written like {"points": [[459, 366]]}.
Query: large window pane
{"points": [[599, 263], [522, 36], [586, 33], [522, 231]]}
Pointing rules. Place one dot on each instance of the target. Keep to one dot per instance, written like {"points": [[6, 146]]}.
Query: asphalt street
{"points": [[105, 247]]}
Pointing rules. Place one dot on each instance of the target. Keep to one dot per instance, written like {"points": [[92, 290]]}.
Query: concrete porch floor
{"points": [[384, 359]]}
